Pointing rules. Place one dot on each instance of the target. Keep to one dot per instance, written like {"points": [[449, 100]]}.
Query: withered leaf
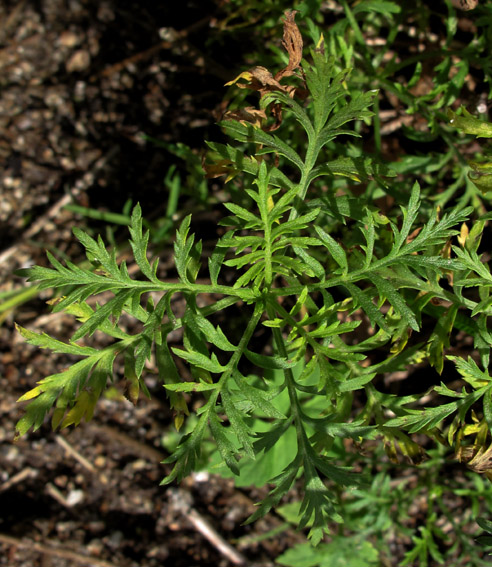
{"points": [[292, 41], [219, 168], [466, 4], [479, 460], [250, 115], [259, 79]]}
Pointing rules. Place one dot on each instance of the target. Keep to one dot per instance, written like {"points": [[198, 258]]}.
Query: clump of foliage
{"points": [[341, 286]]}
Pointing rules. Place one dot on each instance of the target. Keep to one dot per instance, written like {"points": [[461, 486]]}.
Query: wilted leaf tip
{"points": [[292, 41]]}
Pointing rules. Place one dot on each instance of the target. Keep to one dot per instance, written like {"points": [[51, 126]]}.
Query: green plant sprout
{"points": [[340, 286], [485, 540], [481, 173]]}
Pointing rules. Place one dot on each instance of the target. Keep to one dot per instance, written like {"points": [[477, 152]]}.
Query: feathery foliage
{"points": [[330, 305]]}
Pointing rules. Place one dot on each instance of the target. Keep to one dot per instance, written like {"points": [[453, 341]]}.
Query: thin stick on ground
{"points": [[75, 454], [28, 472], [54, 551], [181, 501]]}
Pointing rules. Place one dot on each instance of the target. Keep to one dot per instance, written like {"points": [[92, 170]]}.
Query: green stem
{"points": [[295, 407], [233, 361], [243, 343], [15, 298], [267, 231], [245, 294], [377, 126]]}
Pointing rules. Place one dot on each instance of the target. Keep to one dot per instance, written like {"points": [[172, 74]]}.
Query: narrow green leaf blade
{"points": [[200, 360]]}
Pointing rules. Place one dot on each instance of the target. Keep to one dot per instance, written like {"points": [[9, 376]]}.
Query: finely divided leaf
{"points": [[268, 362], [241, 430], [139, 242], [225, 446], [43, 340], [356, 168], [200, 360], [387, 291], [248, 133], [335, 249]]}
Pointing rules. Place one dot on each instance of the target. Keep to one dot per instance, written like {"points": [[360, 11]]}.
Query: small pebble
{"points": [[79, 61]]}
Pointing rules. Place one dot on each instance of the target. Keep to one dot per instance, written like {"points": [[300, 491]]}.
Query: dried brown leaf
{"points": [[261, 79], [465, 4], [249, 115], [219, 168], [479, 460], [292, 41], [258, 79]]}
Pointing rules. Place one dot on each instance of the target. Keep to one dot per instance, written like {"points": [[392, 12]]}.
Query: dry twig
{"points": [[181, 502], [28, 472], [75, 454], [54, 551]]}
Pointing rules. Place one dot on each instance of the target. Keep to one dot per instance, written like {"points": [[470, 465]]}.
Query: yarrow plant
{"points": [[340, 286]]}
